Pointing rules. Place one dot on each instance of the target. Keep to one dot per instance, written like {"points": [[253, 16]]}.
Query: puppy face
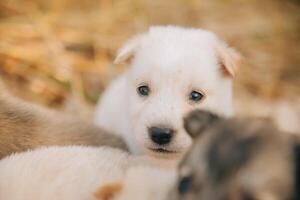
{"points": [[237, 159], [173, 71]]}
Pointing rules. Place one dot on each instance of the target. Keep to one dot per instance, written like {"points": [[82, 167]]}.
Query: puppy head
{"points": [[140, 182], [239, 159], [198, 121], [174, 70]]}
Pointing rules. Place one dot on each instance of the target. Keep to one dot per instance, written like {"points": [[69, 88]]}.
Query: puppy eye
{"points": [[143, 90], [184, 184], [196, 96]]}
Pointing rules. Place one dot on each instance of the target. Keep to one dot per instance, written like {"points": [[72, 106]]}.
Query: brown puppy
{"points": [[26, 126], [238, 159]]}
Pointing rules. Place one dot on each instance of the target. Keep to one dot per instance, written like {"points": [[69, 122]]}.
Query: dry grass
{"points": [[61, 51]]}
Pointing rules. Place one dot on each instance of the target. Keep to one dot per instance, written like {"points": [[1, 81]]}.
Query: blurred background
{"points": [[60, 52]]}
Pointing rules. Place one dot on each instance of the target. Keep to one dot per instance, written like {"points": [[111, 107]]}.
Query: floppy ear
{"points": [[229, 58], [197, 121], [107, 192], [126, 53]]}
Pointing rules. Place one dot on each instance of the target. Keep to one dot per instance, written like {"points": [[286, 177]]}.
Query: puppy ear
{"points": [[126, 53], [107, 192], [197, 121], [229, 59]]}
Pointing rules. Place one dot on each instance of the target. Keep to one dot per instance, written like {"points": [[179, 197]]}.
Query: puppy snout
{"points": [[161, 136]]}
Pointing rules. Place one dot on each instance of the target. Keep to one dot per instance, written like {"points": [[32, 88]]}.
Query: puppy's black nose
{"points": [[161, 136]]}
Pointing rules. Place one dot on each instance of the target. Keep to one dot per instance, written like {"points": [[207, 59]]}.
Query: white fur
{"points": [[70, 173], [173, 61], [146, 183], [61, 173]]}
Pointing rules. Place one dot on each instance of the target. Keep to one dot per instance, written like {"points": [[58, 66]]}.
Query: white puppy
{"points": [[81, 173], [173, 70]]}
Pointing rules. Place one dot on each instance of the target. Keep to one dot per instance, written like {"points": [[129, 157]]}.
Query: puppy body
{"points": [[26, 126], [238, 159], [82, 173], [172, 62], [61, 173], [140, 182]]}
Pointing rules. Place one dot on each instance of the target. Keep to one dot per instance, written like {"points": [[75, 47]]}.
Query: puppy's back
{"points": [[60, 173], [26, 126]]}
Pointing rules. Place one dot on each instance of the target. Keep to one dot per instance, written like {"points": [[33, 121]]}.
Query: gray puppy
{"points": [[26, 126], [238, 159]]}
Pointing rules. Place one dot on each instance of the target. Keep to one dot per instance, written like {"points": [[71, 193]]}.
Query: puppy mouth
{"points": [[162, 150]]}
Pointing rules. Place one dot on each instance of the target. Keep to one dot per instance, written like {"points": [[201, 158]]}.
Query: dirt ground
{"points": [[60, 52]]}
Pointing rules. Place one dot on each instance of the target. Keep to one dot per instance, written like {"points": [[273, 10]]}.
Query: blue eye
{"points": [[196, 96], [143, 90], [184, 184]]}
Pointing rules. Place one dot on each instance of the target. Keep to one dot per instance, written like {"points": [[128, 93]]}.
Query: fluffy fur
{"points": [[238, 159], [81, 173], [26, 126], [173, 62], [141, 182]]}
